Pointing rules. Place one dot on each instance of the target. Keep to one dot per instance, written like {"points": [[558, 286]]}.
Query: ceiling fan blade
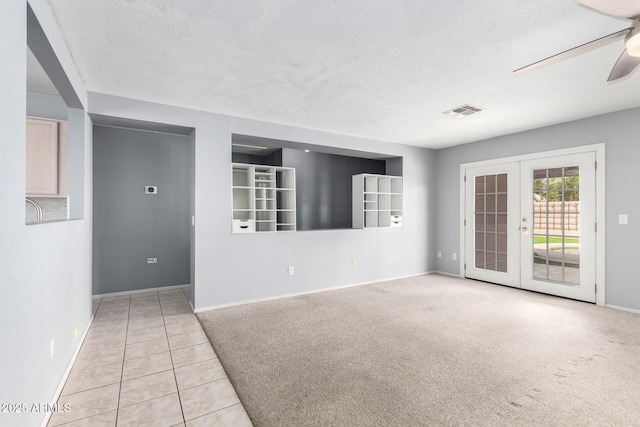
{"points": [[594, 44], [625, 65], [624, 9]]}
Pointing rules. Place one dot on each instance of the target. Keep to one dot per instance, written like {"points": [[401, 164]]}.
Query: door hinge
{"points": [[465, 265], [596, 287], [596, 162], [465, 222], [465, 178], [596, 227]]}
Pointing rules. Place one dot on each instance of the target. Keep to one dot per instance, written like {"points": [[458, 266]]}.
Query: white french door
{"points": [[531, 224], [492, 243]]}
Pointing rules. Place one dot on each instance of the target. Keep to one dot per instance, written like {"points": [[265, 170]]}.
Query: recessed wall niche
{"points": [[323, 175]]}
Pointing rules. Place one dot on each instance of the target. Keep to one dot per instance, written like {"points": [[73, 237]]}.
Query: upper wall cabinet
{"points": [[46, 157], [264, 198], [377, 201]]}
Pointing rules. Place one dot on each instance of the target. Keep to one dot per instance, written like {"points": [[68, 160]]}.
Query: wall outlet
{"points": [[439, 254], [152, 260], [623, 219], [150, 189], [454, 256], [290, 270], [354, 263], [75, 333], [52, 348]]}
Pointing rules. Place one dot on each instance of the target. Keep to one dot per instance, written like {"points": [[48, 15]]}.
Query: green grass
{"points": [[543, 239]]}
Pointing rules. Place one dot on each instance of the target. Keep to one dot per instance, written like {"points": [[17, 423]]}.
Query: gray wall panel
{"points": [[323, 186], [130, 226]]}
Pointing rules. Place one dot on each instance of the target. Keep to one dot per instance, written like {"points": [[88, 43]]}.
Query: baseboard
{"points": [[63, 381], [617, 307], [193, 309], [444, 273], [296, 294], [141, 291]]}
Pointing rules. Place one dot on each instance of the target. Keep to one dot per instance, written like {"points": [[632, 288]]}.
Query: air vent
{"points": [[463, 111]]}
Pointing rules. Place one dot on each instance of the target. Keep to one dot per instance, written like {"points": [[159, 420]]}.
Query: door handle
{"points": [[524, 229]]}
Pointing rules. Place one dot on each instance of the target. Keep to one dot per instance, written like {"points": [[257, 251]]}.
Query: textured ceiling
{"points": [[372, 68]]}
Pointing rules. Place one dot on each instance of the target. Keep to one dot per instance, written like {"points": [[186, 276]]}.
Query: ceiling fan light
{"points": [[632, 42]]}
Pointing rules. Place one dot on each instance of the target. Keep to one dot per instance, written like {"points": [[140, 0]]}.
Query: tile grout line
{"points": [[123, 360], [184, 420], [209, 382]]}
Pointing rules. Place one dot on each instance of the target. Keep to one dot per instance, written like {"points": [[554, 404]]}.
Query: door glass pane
{"points": [[501, 219], [491, 242], [491, 184], [480, 185], [491, 203], [502, 203], [502, 242], [491, 223], [556, 225], [491, 227], [502, 183], [480, 259]]}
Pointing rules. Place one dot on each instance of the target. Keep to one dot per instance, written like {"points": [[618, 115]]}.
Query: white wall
{"points": [[45, 270], [234, 268], [619, 132]]}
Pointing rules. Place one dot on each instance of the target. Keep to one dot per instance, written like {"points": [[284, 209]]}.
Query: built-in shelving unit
{"points": [[377, 201], [264, 198]]}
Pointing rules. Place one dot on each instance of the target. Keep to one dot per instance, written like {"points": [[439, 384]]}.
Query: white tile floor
{"points": [[147, 361]]}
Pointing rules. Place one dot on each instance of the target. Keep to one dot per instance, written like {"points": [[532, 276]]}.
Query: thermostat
{"points": [[150, 189]]}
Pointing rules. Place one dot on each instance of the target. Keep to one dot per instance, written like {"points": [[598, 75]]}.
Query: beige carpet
{"points": [[431, 350]]}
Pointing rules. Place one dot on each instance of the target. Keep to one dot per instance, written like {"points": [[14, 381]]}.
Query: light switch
{"points": [[623, 219]]}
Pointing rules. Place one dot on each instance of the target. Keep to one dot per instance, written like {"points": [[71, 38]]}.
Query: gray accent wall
{"points": [[323, 186], [619, 131], [272, 159], [130, 226]]}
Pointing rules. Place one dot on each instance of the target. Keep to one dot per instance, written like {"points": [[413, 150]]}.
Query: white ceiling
{"points": [[373, 68]]}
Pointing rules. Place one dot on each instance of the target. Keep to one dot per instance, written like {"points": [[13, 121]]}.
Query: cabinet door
{"points": [[42, 157]]}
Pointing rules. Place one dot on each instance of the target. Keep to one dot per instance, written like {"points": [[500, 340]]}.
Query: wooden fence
{"points": [[550, 214]]}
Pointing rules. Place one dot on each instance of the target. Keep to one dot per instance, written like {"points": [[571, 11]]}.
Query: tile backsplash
{"points": [[53, 209]]}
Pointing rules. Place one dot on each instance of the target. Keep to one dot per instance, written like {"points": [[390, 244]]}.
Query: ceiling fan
{"points": [[630, 58]]}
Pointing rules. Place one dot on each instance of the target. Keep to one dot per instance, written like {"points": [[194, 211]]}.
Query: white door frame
{"points": [[599, 150]]}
